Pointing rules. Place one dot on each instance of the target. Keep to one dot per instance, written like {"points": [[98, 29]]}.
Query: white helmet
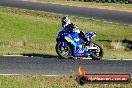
{"points": [[65, 21]]}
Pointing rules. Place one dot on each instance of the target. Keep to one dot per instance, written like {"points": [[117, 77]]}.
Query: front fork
{"points": [[64, 44]]}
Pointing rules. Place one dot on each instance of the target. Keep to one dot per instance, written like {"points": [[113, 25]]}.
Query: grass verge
{"points": [[34, 32], [50, 82]]}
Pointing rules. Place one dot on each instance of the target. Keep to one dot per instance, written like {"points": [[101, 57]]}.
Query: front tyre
{"points": [[64, 53], [98, 53]]}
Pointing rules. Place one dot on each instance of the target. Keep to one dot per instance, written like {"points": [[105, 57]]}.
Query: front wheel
{"points": [[97, 53], [64, 53]]}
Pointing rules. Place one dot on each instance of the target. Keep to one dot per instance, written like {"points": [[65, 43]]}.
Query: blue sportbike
{"points": [[71, 45]]}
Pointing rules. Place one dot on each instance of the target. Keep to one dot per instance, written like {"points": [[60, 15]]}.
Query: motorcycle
{"points": [[71, 45]]}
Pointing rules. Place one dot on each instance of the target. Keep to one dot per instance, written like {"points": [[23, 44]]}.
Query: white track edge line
{"points": [[29, 75]]}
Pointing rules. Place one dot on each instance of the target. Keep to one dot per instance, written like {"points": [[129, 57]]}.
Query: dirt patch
{"points": [[103, 7]]}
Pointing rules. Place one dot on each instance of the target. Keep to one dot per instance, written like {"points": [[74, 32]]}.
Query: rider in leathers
{"points": [[72, 28]]}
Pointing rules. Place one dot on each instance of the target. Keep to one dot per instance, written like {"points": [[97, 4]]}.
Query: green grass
{"points": [[50, 82], [34, 32]]}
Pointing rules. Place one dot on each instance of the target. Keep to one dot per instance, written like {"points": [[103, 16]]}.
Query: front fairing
{"points": [[76, 38], [62, 33], [61, 36]]}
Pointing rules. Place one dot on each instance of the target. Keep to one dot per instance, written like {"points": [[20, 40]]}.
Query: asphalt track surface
{"points": [[105, 15], [53, 66]]}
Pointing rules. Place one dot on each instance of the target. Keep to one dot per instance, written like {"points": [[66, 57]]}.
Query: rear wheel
{"points": [[64, 53], [97, 53]]}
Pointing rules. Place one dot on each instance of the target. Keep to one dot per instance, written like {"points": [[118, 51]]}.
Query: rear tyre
{"points": [[64, 53], [97, 54]]}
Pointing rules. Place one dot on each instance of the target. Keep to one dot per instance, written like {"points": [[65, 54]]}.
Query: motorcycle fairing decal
{"points": [[83, 54], [80, 50], [77, 52], [67, 38], [76, 39]]}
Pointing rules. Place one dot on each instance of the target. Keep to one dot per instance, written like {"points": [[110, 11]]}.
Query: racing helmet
{"points": [[65, 21]]}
